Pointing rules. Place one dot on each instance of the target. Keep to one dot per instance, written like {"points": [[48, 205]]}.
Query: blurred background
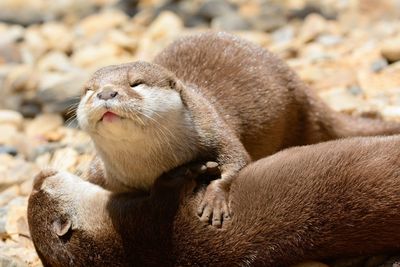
{"points": [[346, 50]]}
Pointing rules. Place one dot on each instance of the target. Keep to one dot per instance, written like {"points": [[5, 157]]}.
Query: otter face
{"points": [[137, 120], [67, 222], [123, 101]]}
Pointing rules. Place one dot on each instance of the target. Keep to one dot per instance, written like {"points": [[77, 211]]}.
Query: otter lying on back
{"points": [[329, 200], [210, 96]]}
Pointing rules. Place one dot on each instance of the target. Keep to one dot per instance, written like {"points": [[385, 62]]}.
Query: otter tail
{"points": [[322, 123], [358, 126]]}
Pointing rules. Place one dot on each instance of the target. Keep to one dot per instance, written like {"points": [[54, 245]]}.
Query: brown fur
{"points": [[334, 199], [241, 99]]}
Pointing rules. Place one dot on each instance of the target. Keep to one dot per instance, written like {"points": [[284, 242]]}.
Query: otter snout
{"points": [[108, 92], [41, 177]]}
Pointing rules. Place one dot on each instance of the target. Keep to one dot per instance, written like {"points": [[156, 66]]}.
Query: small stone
{"points": [[34, 45], [270, 17], [54, 136], [215, 8], [391, 112], [65, 159], [11, 117], [379, 65], [329, 39], [15, 170], [30, 108], [7, 133], [283, 35], [43, 124], [6, 261], [58, 36], [7, 194], [355, 90], [313, 26], [21, 78], [340, 100], [376, 82], [16, 218], [230, 22], [59, 91], [391, 50], [55, 61], [94, 56], [25, 189], [8, 150], [164, 29], [9, 53], [100, 23]]}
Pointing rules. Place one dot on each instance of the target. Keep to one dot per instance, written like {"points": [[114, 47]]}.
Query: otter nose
{"points": [[39, 178], [107, 93]]}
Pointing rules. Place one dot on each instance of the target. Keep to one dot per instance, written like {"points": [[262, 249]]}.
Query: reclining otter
{"points": [[334, 199]]}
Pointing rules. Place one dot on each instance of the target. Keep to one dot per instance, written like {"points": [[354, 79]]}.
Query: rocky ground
{"points": [[347, 50]]}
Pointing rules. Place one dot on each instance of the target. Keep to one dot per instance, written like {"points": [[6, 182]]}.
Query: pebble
{"points": [[65, 159], [58, 91], [391, 112], [391, 50], [340, 100], [313, 26], [43, 124], [215, 8], [6, 261], [230, 22], [375, 82], [163, 30], [11, 117], [379, 65], [8, 150]]}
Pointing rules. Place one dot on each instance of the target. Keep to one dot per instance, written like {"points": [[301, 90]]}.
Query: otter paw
{"points": [[214, 206]]}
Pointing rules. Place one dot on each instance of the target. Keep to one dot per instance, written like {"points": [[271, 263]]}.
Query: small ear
{"points": [[62, 226]]}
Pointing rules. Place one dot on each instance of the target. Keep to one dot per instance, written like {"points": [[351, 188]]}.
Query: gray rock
{"points": [[59, 92], [271, 17], [355, 90], [230, 22], [308, 9], [215, 8], [329, 40], [30, 108], [8, 150], [379, 65], [283, 35]]}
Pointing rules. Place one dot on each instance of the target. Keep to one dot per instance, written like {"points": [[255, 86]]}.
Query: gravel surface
{"points": [[348, 51]]}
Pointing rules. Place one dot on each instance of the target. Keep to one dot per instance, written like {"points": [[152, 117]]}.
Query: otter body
{"points": [[335, 199], [210, 96]]}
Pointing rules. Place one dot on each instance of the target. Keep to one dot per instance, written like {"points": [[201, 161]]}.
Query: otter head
{"points": [[122, 101], [68, 224], [137, 119]]}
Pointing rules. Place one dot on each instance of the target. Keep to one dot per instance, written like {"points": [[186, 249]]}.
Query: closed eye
{"points": [[136, 83]]}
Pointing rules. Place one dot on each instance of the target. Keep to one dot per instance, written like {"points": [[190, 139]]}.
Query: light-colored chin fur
{"points": [[137, 151]]}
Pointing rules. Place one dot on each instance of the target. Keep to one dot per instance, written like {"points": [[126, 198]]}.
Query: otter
{"points": [[329, 200], [210, 96]]}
